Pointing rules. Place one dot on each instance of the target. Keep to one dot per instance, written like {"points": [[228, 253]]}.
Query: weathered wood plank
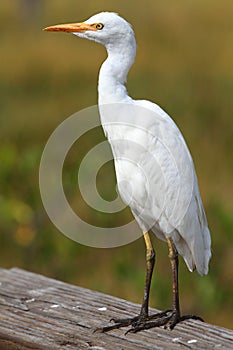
{"points": [[42, 313]]}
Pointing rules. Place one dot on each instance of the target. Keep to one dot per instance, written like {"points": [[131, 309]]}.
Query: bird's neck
{"points": [[113, 73]]}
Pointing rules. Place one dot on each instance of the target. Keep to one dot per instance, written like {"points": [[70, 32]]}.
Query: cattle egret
{"points": [[189, 236]]}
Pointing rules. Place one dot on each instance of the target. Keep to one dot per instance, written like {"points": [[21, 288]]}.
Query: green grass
{"points": [[184, 63]]}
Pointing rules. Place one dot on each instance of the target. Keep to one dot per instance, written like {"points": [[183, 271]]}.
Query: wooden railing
{"points": [[37, 312]]}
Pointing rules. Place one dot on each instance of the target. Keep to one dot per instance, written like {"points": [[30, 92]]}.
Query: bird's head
{"points": [[106, 28]]}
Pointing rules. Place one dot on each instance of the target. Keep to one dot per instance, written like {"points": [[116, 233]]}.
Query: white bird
{"points": [[151, 155]]}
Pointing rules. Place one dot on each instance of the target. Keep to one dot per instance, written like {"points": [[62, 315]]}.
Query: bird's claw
{"points": [[137, 323], [176, 318], [168, 319]]}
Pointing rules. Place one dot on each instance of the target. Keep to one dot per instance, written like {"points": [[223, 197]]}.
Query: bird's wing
{"points": [[182, 214], [169, 150]]}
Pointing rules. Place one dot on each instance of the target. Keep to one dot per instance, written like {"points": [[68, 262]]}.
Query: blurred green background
{"points": [[184, 63]]}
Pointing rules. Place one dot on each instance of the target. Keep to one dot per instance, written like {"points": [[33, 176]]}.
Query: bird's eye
{"points": [[99, 26]]}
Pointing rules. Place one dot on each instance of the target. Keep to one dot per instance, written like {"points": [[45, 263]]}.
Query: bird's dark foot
{"points": [[168, 319], [176, 318], [134, 322]]}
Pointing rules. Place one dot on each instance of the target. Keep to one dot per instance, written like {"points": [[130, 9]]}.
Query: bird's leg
{"points": [[150, 262], [170, 318], [143, 317], [174, 260], [176, 317]]}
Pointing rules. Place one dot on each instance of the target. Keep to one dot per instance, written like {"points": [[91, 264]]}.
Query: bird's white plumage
{"points": [[154, 169]]}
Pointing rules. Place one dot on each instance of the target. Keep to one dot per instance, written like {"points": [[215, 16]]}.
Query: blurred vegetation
{"points": [[184, 63]]}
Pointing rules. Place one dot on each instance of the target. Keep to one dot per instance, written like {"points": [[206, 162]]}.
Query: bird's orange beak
{"points": [[71, 28]]}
